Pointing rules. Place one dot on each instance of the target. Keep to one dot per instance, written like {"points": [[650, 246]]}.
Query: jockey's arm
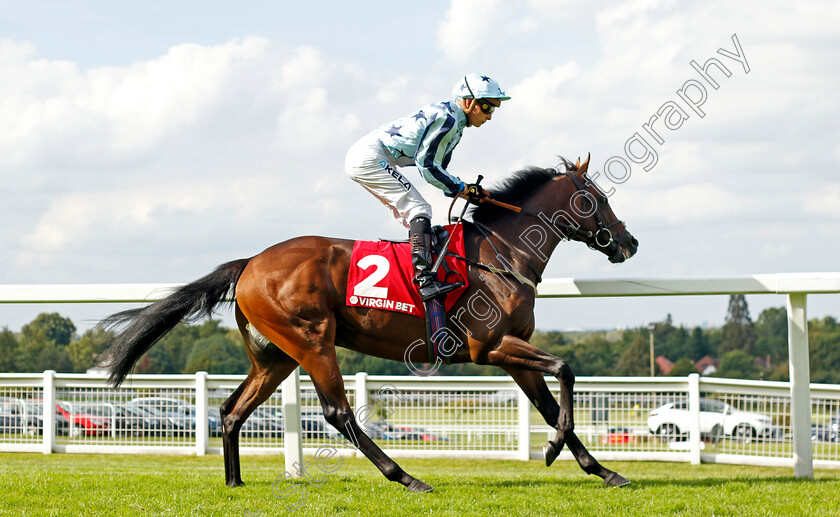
{"points": [[432, 156]]}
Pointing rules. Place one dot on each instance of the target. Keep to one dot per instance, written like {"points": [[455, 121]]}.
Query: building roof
{"points": [[665, 364]]}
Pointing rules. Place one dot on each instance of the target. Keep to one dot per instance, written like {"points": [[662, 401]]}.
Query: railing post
{"points": [[201, 416], [361, 401], [49, 412], [292, 436], [524, 417], [361, 395], [800, 392], [694, 422]]}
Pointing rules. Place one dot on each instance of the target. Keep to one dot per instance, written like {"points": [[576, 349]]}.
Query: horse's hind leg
{"points": [[269, 367], [311, 343], [534, 386], [323, 369]]}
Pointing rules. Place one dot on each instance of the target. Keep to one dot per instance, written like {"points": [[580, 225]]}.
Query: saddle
{"points": [[381, 277]]}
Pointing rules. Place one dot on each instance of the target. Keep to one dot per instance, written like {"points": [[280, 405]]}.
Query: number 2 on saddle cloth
{"points": [[381, 277]]}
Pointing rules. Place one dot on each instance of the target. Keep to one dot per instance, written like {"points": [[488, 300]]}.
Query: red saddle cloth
{"points": [[381, 275]]}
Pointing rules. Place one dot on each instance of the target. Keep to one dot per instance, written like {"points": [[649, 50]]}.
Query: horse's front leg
{"points": [[515, 353], [534, 386]]}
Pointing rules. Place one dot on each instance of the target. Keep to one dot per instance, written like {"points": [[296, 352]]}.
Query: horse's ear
{"points": [[585, 165], [577, 163]]}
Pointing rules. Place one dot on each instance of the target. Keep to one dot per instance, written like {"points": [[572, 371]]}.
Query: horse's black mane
{"points": [[515, 189]]}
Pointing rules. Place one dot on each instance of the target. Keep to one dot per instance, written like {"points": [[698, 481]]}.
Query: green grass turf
{"points": [[75, 484]]}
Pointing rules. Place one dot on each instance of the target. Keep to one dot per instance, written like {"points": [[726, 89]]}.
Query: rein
{"points": [[576, 230], [579, 234]]}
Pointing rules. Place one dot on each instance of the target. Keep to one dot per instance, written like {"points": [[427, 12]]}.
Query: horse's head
{"points": [[595, 224], [567, 203]]}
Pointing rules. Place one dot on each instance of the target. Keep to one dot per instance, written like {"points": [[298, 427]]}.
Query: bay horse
{"points": [[294, 293]]}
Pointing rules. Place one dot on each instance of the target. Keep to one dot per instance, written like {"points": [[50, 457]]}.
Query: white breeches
{"points": [[370, 165]]}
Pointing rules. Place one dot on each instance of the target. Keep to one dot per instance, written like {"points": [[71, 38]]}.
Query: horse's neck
{"points": [[525, 242]]}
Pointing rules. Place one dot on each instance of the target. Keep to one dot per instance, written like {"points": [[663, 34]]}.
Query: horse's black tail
{"points": [[137, 330]]}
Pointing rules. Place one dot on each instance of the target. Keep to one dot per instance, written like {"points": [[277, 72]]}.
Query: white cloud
{"points": [[58, 114], [227, 135], [469, 26], [75, 219], [55, 108], [690, 203], [565, 9], [825, 201], [544, 84]]}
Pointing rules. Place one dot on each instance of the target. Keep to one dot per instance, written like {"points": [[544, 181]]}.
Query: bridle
{"points": [[603, 228], [602, 237]]}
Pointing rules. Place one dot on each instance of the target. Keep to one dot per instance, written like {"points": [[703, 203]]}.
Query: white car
{"points": [[671, 422]]}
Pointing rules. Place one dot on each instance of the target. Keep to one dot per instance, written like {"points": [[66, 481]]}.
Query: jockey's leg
{"points": [[420, 234], [369, 165]]}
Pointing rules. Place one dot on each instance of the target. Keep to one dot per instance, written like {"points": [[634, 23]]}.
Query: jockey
{"points": [[424, 139]]}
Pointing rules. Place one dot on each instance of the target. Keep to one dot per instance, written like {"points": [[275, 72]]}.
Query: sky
{"points": [[151, 141]]}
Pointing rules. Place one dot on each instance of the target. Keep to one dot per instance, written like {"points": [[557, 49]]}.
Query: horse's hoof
{"points": [[550, 451], [419, 487], [615, 480], [233, 483]]}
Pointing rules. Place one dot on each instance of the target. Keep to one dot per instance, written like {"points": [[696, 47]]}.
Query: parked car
{"points": [[618, 435], [312, 422], [181, 413], [11, 411], [35, 411], [262, 422], [141, 421], [823, 433], [82, 422], [128, 420], [314, 425], [671, 422], [401, 432], [214, 413], [268, 421]]}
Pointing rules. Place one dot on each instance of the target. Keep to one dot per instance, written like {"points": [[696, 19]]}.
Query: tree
{"points": [[779, 372], [50, 357], [738, 364], [84, 352], [824, 345], [56, 328], [738, 331], [635, 360], [170, 354], [8, 350], [551, 341], [771, 334], [699, 344], [217, 354], [43, 344], [351, 362], [682, 368], [595, 355], [676, 343]]}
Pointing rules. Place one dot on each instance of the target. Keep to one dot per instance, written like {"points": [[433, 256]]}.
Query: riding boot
{"points": [[420, 235]]}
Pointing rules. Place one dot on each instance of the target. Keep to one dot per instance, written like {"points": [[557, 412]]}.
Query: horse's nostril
{"points": [[635, 243]]}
